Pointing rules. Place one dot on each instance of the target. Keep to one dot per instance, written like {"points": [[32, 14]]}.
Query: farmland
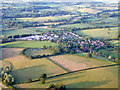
{"points": [[30, 52], [28, 44], [108, 77], [32, 68], [100, 33], [73, 42], [45, 18], [77, 62]]}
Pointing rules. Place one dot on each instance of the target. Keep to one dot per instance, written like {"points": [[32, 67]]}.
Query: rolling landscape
{"points": [[59, 45]]}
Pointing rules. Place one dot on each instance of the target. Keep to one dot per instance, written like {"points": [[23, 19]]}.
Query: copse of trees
{"points": [[7, 78], [56, 87]]}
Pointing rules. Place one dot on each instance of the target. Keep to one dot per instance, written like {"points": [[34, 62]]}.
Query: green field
{"points": [[114, 42], [75, 25], [111, 51], [28, 44], [46, 18], [106, 77], [25, 69], [100, 33], [30, 52]]}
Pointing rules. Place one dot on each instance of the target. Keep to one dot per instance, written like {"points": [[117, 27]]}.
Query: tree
{"points": [[44, 75], [42, 80]]}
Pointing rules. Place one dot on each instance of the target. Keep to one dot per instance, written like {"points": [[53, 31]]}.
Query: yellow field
{"points": [[89, 10]]}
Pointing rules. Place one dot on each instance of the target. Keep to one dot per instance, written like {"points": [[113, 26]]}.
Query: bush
{"points": [[89, 55], [28, 81], [43, 75], [42, 80]]}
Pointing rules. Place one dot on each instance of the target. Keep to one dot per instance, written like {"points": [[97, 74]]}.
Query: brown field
{"points": [[73, 62]]}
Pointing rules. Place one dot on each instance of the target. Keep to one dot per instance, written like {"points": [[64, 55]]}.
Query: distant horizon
{"points": [[105, 1]]}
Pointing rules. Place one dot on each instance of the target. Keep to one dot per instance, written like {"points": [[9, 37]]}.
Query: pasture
{"points": [[106, 77], [111, 51], [30, 52], [39, 19], [25, 69], [114, 42], [101, 33], [28, 44], [73, 62]]}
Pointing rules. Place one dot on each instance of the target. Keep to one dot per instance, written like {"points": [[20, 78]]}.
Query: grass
{"points": [[106, 77], [16, 32], [28, 44], [75, 25], [75, 62], [114, 42], [30, 52], [89, 10], [100, 33], [25, 68], [46, 18], [112, 52]]}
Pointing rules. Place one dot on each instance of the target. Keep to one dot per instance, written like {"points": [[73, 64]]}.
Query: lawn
{"points": [[30, 52], [100, 33], [28, 44], [75, 62], [25, 68], [106, 77]]}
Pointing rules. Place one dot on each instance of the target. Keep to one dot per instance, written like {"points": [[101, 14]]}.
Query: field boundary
{"points": [[58, 64]]}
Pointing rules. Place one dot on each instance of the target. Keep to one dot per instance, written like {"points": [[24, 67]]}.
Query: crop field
{"points": [[100, 33], [25, 69], [28, 44], [75, 25], [73, 62], [106, 77], [46, 18], [17, 32], [30, 52], [10, 52], [89, 10]]}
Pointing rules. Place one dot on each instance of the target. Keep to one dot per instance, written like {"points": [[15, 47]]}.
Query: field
{"points": [[29, 30], [106, 77], [100, 33], [28, 44], [39, 19], [30, 52], [10, 52], [25, 68], [75, 25], [112, 52], [114, 42], [89, 10], [77, 62]]}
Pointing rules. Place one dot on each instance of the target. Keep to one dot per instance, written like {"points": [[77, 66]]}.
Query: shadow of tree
{"points": [[87, 84]]}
